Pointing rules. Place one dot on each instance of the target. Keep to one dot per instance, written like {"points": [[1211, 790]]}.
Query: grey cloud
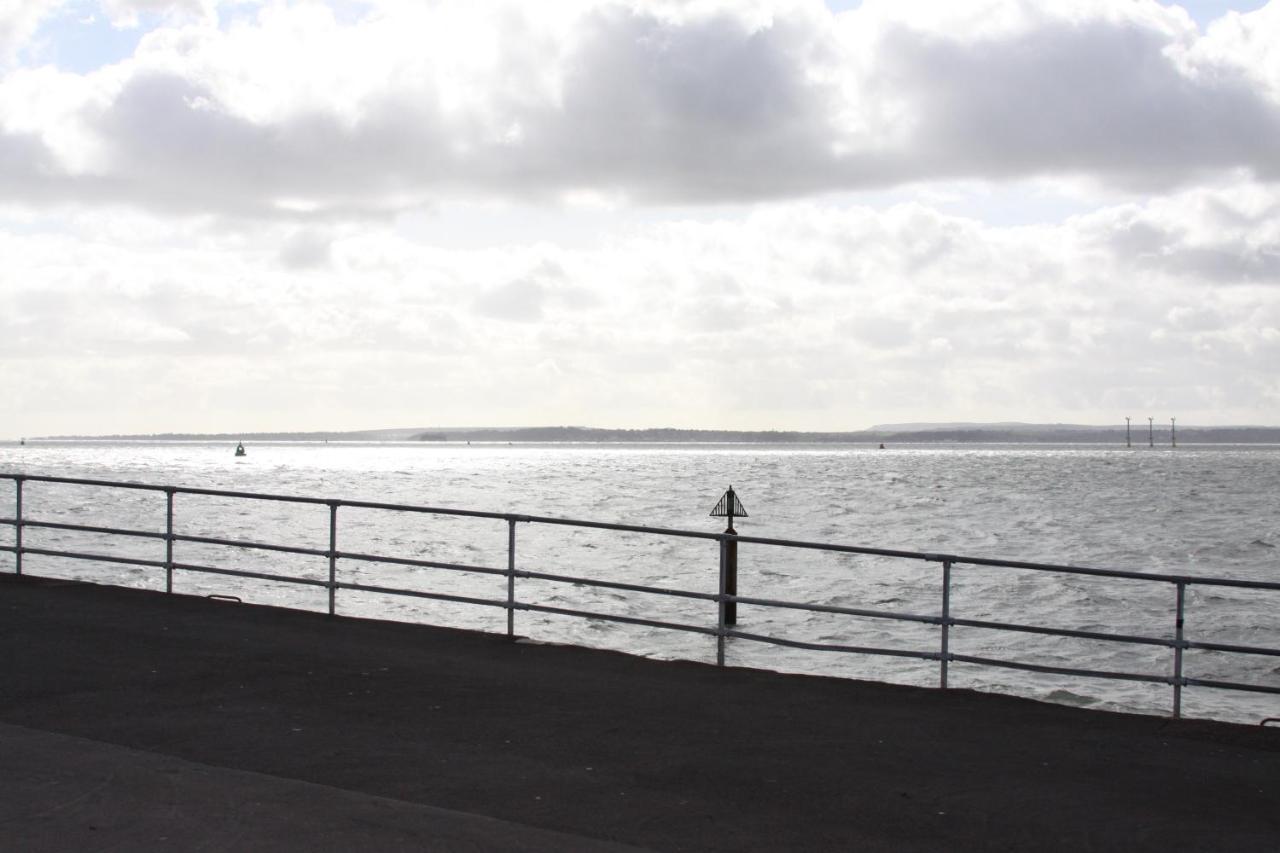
{"points": [[546, 286], [1225, 264], [709, 109], [881, 331], [1099, 98], [1138, 239], [1195, 318], [306, 249], [93, 316], [28, 169], [521, 301], [1228, 246], [174, 146]]}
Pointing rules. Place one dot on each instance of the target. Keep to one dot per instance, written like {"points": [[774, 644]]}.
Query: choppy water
{"points": [[1207, 510]]}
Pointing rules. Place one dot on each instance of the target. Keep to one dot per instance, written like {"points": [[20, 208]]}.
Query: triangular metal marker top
{"points": [[729, 505]]}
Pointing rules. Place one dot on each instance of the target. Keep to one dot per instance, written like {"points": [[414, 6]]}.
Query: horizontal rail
{"points": [[244, 573], [1227, 647], [417, 593], [152, 487], [1009, 564], [1188, 580], [87, 528], [427, 510], [620, 528], [613, 617], [619, 585], [844, 549], [1065, 632], [833, 647], [251, 545], [668, 531], [97, 558], [1233, 685], [1061, 670], [633, 620], [834, 608], [421, 564], [357, 504]]}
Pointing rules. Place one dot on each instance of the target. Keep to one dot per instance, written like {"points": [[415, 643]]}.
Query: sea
{"points": [[1195, 510]]}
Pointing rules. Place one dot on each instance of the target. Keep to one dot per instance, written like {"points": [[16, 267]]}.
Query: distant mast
{"points": [[1127, 441]]}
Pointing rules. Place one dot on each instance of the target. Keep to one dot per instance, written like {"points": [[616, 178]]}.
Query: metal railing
{"points": [[723, 630]]}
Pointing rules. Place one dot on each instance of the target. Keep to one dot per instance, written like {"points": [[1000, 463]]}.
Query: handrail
{"points": [[928, 556], [725, 598]]}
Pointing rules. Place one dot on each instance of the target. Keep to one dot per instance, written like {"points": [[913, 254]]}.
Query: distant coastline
{"points": [[1001, 433]]}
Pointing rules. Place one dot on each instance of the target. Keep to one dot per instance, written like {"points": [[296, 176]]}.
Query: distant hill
{"points": [[1010, 426], [917, 433], [899, 434], [355, 435]]}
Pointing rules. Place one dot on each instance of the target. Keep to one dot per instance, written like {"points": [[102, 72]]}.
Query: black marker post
{"points": [[729, 507]]}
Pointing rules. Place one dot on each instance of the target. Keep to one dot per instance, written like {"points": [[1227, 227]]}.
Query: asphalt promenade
{"points": [[132, 720]]}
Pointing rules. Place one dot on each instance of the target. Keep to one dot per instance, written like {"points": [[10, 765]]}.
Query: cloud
{"points": [[18, 22], [306, 249], [243, 210], [795, 316], [25, 166], [1099, 98], [292, 110], [1206, 236], [127, 13], [542, 286], [519, 300]]}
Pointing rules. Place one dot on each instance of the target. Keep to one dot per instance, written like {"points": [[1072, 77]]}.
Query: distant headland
{"points": [[912, 433]]}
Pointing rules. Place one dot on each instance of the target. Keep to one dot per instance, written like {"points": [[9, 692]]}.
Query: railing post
{"points": [[333, 556], [946, 623], [168, 539], [511, 578], [723, 608], [17, 529], [1177, 650]]}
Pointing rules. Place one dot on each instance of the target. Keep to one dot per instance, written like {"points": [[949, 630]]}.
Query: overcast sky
{"points": [[226, 215]]}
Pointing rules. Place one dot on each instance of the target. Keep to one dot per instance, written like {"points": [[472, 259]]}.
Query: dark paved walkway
{"points": [[131, 720]]}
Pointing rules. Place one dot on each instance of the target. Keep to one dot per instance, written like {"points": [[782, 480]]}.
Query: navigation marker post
{"points": [[729, 507]]}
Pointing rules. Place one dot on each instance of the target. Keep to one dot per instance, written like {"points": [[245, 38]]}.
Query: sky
{"points": [[259, 215]]}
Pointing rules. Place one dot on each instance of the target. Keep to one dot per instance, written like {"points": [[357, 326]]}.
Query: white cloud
{"points": [[18, 22], [798, 316], [307, 248], [1211, 236], [296, 109], [129, 13]]}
